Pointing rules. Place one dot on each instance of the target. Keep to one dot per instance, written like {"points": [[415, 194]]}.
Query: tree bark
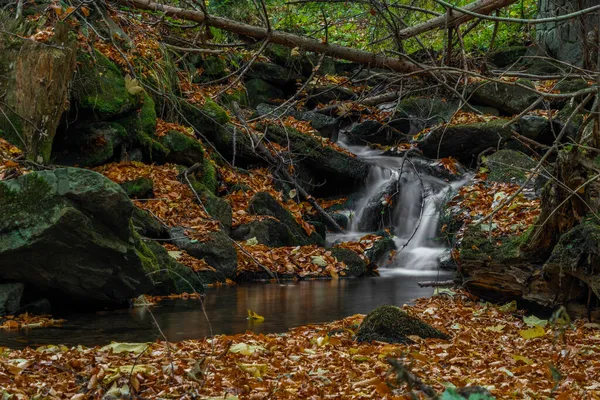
{"points": [[283, 38], [455, 18]]}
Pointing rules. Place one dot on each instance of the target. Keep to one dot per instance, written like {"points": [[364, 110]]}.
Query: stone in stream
{"points": [[10, 298], [218, 251], [393, 325], [263, 203], [464, 142], [356, 266], [374, 132], [67, 234]]}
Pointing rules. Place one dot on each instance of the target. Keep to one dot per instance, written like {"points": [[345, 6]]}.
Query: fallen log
{"points": [[374, 60], [455, 18], [449, 283]]}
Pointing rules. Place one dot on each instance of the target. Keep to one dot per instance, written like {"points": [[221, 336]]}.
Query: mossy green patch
{"points": [[476, 245], [509, 166], [138, 188], [391, 324], [100, 87], [19, 202]]}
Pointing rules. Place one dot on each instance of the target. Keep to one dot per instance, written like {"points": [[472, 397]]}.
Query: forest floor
{"points": [[498, 347]]}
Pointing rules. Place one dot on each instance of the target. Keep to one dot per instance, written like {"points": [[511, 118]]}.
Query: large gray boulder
{"points": [[465, 142], [509, 98], [67, 233]]}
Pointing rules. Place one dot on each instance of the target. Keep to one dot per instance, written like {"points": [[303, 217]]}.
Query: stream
{"points": [[407, 203]]}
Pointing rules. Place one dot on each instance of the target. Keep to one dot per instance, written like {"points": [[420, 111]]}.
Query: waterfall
{"points": [[412, 218]]}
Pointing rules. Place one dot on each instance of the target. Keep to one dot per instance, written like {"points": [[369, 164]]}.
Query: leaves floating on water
{"points": [[252, 316]]}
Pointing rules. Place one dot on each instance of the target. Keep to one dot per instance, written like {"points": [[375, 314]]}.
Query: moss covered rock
{"points": [[465, 142], [269, 232], [140, 188], [181, 149], [264, 204], [392, 325], [260, 91], [99, 88], [68, 234], [509, 166], [218, 251], [509, 98], [355, 265]]}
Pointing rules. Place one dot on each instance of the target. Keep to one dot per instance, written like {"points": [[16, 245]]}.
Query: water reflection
{"points": [[283, 306]]}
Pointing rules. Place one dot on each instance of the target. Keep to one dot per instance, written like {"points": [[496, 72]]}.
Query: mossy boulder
{"points": [[218, 251], [509, 98], [218, 208], [269, 232], [355, 266], [374, 132], [205, 179], [392, 325], [464, 142], [173, 276], [509, 166], [147, 225], [140, 188], [213, 67], [67, 234], [507, 56], [209, 118], [414, 114], [99, 88], [263, 203], [260, 91], [181, 149], [327, 126], [273, 74]]}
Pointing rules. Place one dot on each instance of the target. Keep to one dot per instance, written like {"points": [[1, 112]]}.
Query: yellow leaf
{"points": [[524, 359], [532, 333], [509, 307], [495, 328], [245, 349], [256, 370], [255, 317], [132, 85], [85, 11]]}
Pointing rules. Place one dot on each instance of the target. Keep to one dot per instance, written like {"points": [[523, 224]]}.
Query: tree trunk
{"points": [[35, 77]]}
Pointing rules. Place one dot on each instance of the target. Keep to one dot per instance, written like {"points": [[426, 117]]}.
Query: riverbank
{"points": [[490, 346]]}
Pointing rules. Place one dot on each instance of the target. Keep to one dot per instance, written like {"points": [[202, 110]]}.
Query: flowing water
{"points": [[411, 212]]}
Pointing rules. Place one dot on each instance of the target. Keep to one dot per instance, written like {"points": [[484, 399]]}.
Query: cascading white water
{"points": [[414, 215]]}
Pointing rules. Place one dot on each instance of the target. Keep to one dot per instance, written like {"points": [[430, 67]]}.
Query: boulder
{"points": [[213, 67], [538, 128], [181, 149], [380, 250], [376, 212], [218, 251], [174, 277], [260, 91], [217, 208], [140, 188], [268, 231], [327, 126], [67, 233], [464, 142], [37, 307], [355, 266], [274, 74], [507, 56], [370, 131], [508, 166], [509, 98], [417, 113], [10, 298], [147, 226], [341, 173], [263, 203], [99, 89], [392, 325]]}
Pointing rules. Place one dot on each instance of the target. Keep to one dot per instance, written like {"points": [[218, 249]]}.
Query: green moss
{"points": [[215, 112], [355, 265], [138, 188], [508, 166], [239, 96], [177, 141], [20, 200], [209, 176], [391, 324], [146, 256], [100, 87], [476, 245]]}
